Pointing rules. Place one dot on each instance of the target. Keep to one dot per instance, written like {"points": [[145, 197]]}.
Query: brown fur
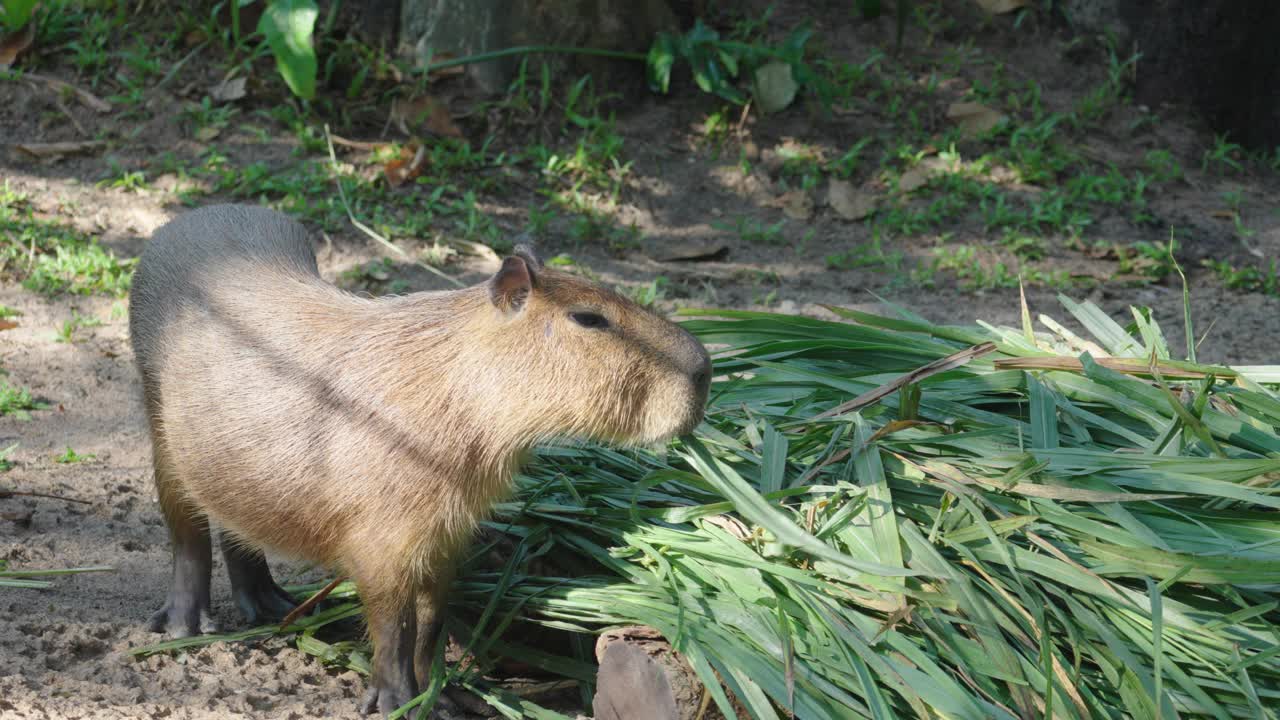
{"points": [[371, 435]]}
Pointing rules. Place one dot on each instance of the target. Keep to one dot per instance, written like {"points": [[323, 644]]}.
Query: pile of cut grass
{"points": [[1046, 527]]}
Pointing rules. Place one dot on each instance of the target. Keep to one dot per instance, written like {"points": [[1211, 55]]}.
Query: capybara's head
{"points": [[564, 357]]}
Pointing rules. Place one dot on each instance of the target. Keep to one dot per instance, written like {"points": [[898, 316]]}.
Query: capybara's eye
{"points": [[589, 320]]}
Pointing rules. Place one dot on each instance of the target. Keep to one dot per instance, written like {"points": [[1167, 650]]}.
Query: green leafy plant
{"points": [[717, 63], [16, 13], [17, 401], [67, 330], [70, 457], [287, 26]]}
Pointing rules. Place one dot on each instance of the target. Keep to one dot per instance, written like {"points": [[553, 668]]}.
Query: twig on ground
{"points": [[311, 602], [4, 494], [85, 97], [342, 194]]}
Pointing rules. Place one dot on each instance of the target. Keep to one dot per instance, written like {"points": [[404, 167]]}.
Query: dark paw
{"points": [[180, 619], [384, 700], [264, 603], [387, 701]]}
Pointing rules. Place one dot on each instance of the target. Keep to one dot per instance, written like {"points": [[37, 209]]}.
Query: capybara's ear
{"points": [[509, 288], [526, 250]]}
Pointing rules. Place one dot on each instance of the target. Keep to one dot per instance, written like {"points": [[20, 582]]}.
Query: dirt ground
{"points": [[64, 650]]}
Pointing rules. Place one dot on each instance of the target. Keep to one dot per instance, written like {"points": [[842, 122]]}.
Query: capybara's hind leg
{"points": [[256, 593], [186, 612]]}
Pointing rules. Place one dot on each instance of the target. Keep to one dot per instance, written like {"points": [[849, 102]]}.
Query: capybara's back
{"points": [[370, 435], [172, 274]]}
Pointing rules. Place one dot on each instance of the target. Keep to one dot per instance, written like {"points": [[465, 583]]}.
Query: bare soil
{"points": [[64, 651]]}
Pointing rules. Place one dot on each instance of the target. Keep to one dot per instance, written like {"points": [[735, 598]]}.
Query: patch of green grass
{"points": [[206, 119], [17, 401], [1251, 279], [648, 294], [1222, 156], [122, 178], [754, 231], [6, 463], [67, 330], [373, 277], [8, 312], [50, 257], [71, 457], [868, 255], [1145, 259], [972, 272], [1163, 166]]}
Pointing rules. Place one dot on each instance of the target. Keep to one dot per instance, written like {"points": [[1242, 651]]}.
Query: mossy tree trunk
{"points": [[466, 27], [1217, 56]]}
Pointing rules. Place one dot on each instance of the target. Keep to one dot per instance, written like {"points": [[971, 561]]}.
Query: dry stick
{"points": [[310, 602], [84, 96], [949, 362], [342, 194], [63, 107], [27, 493], [173, 71], [1128, 366], [357, 144]]}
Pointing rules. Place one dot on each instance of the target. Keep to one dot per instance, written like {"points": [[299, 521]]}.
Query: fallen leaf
{"points": [[973, 118], [479, 250], [731, 525], [423, 111], [849, 203], [208, 132], [775, 87], [1001, 7], [228, 90], [914, 179], [58, 149], [407, 166], [1223, 214], [796, 204], [7, 324], [696, 251], [15, 43]]}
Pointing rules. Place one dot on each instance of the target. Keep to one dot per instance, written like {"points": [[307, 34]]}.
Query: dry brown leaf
{"points": [[426, 112], [796, 204], [696, 251], [228, 90], [849, 203], [407, 166], [973, 118], [7, 324], [208, 132], [731, 525], [1001, 7], [15, 43], [58, 149]]}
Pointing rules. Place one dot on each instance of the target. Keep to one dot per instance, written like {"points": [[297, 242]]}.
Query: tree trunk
{"points": [[468, 27], [1219, 57]]}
